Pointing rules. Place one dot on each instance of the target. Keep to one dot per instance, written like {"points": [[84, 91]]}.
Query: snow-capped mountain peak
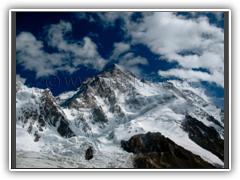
{"points": [[115, 105]]}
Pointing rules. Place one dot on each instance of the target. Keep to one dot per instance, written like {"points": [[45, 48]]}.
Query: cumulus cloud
{"points": [[130, 61], [126, 59], [193, 43], [67, 68], [119, 48], [31, 56], [69, 55], [84, 52], [56, 32]]}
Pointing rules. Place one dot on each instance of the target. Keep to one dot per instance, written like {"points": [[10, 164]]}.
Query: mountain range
{"points": [[117, 120]]}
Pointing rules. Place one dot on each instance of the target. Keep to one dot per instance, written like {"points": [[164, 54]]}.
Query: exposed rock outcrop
{"points": [[118, 111], [37, 136], [99, 115], [206, 137], [52, 114], [155, 151], [89, 153], [212, 119], [64, 129], [30, 128]]}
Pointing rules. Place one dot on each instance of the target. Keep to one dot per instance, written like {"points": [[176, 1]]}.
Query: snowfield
{"points": [[70, 153]]}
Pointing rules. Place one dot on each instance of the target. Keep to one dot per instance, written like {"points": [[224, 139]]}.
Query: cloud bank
{"points": [[192, 43], [68, 56]]}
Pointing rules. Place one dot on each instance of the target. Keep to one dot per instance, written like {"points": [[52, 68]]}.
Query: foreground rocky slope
{"points": [[155, 151]]}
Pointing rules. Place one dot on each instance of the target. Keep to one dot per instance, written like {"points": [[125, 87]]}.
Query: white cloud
{"points": [[134, 69], [194, 76], [19, 78], [127, 61], [27, 43], [31, 55], [56, 33], [84, 52], [130, 62], [119, 48], [67, 68], [174, 37]]}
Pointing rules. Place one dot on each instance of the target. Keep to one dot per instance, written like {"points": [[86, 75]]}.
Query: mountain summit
{"points": [[112, 107]]}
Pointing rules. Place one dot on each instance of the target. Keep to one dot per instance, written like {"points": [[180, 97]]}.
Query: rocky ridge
{"points": [[156, 151]]}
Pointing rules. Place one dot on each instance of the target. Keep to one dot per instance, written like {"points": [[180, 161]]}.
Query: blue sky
{"points": [[77, 45]]}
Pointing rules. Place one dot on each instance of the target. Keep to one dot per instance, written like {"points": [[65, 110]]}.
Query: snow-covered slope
{"points": [[107, 108], [39, 118]]}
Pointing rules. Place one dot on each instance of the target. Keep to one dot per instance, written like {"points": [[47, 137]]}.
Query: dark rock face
{"points": [[86, 126], [155, 151], [206, 137], [89, 153], [212, 119], [99, 115], [41, 121], [110, 71], [143, 80], [37, 136], [30, 128], [52, 114], [64, 129]]}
